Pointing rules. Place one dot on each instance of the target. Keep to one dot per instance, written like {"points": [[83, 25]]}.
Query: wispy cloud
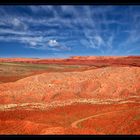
{"points": [[61, 28]]}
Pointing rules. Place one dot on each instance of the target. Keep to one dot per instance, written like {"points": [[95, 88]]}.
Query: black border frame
{"points": [[68, 2]]}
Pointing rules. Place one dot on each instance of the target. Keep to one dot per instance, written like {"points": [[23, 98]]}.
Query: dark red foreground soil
{"points": [[107, 119]]}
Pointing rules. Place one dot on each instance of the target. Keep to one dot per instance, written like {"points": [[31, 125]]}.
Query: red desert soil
{"points": [[101, 100], [99, 61], [106, 119]]}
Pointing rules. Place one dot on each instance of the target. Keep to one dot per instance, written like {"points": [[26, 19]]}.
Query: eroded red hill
{"points": [[104, 83]]}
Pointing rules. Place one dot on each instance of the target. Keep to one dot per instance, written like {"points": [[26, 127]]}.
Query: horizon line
{"points": [[74, 56]]}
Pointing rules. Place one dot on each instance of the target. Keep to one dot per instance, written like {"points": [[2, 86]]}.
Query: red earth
{"points": [[99, 61], [100, 97]]}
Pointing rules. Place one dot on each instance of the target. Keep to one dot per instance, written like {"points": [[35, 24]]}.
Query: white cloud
{"points": [[16, 22], [53, 43], [33, 43], [98, 40]]}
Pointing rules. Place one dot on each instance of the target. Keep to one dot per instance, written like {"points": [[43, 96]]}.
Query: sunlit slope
{"points": [[104, 83]]}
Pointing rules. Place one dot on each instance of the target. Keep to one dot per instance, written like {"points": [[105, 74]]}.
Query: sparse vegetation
{"points": [[12, 71]]}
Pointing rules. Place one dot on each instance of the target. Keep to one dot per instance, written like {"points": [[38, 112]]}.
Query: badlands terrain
{"points": [[77, 95]]}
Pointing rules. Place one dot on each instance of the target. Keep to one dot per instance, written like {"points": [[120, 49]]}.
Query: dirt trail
{"points": [[75, 124]]}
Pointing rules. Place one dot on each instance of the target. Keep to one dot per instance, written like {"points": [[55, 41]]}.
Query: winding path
{"points": [[75, 124]]}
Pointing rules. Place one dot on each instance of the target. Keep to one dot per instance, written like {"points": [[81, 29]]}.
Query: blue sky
{"points": [[68, 30]]}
